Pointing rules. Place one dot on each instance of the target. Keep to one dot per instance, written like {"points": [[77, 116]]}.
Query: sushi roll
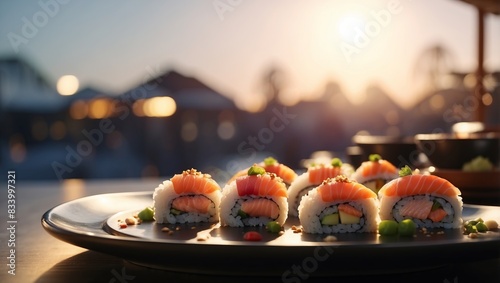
{"points": [[189, 197], [313, 177], [254, 200], [375, 173], [339, 205], [272, 165], [430, 201]]}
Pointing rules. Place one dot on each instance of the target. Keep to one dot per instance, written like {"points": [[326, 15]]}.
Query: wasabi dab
{"points": [[478, 164]]}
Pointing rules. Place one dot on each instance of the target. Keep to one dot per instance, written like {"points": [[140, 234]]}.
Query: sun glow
{"points": [[349, 24]]}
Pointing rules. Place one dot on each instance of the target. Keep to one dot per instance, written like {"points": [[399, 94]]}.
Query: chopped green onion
{"points": [[147, 214], [375, 157], [256, 170], [270, 161], [469, 228], [336, 162], [405, 171], [481, 227]]}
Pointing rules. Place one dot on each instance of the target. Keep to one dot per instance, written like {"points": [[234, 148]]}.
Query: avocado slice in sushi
{"points": [[346, 218], [330, 219]]}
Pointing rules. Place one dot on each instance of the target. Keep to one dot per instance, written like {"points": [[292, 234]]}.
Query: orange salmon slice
{"points": [[320, 173], [282, 171], [419, 185], [417, 208], [349, 209], [437, 215], [343, 189], [198, 204], [194, 182], [375, 168], [261, 207], [261, 185]]}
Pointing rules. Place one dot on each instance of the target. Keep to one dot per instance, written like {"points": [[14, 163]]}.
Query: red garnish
{"points": [[252, 236]]}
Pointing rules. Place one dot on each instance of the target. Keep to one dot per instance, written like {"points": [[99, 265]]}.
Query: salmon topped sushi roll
{"points": [[272, 165], [313, 177], [187, 198], [375, 173], [339, 205], [430, 201], [254, 199]]}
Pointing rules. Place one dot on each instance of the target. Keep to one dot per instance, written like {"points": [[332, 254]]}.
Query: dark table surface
{"points": [[39, 257]]}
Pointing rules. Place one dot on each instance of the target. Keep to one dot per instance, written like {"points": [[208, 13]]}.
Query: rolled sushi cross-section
{"points": [[375, 173], [312, 178], [339, 205], [189, 197], [254, 200], [430, 201]]}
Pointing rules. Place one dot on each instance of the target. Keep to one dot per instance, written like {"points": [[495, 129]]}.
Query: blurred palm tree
{"points": [[273, 82], [433, 66]]}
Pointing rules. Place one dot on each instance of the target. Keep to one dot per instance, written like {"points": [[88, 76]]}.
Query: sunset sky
{"points": [[229, 44]]}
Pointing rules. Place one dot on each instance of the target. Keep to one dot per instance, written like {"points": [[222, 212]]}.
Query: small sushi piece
{"points": [[189, 197], [272, 165], [313, 177], [430, 201], [375, 173], [339, 205], [254, 200]]}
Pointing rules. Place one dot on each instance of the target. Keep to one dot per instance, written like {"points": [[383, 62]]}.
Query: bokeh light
{"points": [[67, 85]]}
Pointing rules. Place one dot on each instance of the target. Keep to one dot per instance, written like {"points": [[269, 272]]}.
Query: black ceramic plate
{"points": [[92, 223]]}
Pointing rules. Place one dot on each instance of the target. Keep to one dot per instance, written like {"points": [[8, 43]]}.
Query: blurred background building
{"points": [[172, 119]]}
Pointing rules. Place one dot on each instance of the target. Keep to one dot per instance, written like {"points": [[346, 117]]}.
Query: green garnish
{"points": [[407, 228], [256, 170], [478, 164], [405, 171], [270, 161], [474, 226], [470, 229], [273, 227], [336, 162], [242, 214], [175, 211], [147, 214], [436, 205], [375, 157], [388, 227], [481, 227]]}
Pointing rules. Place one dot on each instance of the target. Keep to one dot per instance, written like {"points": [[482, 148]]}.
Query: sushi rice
{"points": [[231, 203], [312, 209], [391, 205], [163, 197], [302, 185]]}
